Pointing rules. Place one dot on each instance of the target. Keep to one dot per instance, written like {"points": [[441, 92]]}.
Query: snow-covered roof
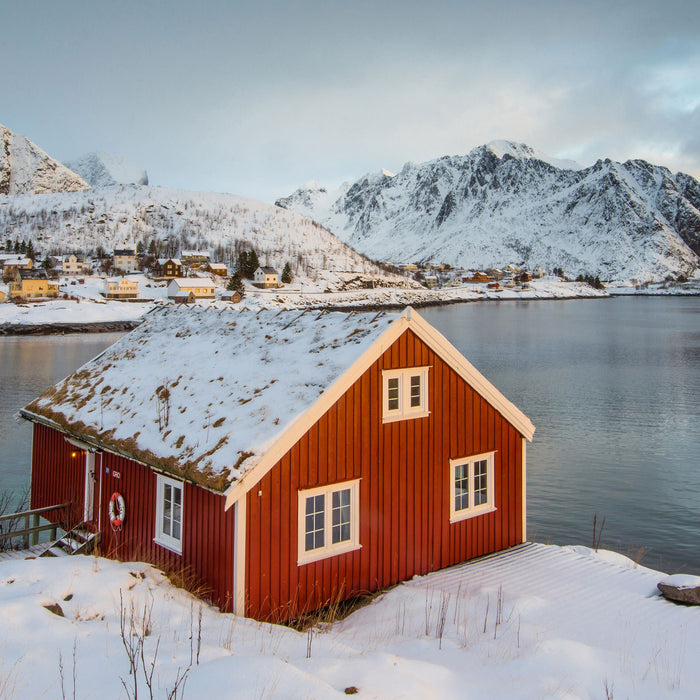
{"points": [[188, 282], [229, 391], [268, 270]]}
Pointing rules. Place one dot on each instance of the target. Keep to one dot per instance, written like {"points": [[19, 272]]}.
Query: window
{"points": [[328, 521], [405, 393], [169, 514], [471, 486]]}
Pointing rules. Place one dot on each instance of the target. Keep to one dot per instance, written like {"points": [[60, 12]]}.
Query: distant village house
{"points": [[168, 268], [195, 258], [13, 263], [266, 277], [32, 284], [199, 289], [75, 265], [120, 288], [125, 259]]}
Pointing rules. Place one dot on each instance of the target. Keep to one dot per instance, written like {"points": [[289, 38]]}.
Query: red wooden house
{"points": [[285, 459]]}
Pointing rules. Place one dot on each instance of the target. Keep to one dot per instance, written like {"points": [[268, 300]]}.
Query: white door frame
{"points": [[89, 499]]}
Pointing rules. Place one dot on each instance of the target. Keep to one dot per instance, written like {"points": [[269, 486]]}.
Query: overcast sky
{"points": [[258, 98]]}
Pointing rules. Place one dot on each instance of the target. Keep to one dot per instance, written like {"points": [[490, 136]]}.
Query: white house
{"points": [[125, 258]]}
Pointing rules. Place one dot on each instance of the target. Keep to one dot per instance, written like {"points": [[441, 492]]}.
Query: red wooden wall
{"points": [[404, 491], [58, 475], [206, 561]]}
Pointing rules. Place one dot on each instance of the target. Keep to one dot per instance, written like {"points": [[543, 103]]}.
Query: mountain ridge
{"points": [[27, 169], [505, 203]]}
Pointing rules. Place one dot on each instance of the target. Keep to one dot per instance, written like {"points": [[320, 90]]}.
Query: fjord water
{"points": [[612, 386]]}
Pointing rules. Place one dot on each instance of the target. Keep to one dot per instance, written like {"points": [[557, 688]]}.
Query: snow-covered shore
{"points": [[536, 621], [87, 308]]}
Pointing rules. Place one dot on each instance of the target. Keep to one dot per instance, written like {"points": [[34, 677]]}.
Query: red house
{"points": [[285, 459]]}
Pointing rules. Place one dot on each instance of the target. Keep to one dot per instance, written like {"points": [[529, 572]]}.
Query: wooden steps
{"points": [[75, 541]]}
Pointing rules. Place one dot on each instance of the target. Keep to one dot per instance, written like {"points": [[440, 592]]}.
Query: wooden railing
{"points": [[30, 532]]}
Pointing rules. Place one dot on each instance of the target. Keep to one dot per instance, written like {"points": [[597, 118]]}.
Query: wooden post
{"points": [[26, 527], [35, 535]]}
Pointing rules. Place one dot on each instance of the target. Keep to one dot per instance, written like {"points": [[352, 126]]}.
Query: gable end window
{"points": [[169, 513], [471, 486], [404, 393], [328, 521]]}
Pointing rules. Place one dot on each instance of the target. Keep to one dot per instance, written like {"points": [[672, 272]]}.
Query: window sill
{"points": [[174, 546], [473, 513], [318, 554], [406, 416]]}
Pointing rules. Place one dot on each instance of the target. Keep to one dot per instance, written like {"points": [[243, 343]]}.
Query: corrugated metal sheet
{"points": [[404, 491]]}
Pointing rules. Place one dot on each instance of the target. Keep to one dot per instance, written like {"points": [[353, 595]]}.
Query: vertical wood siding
{"points": [[58, 475], [206, 562], [404, 491]]}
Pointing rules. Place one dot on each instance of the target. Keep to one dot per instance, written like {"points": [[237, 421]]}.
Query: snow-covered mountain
{"points": [[506, 203], [25, 168], [103, 169], [180, 220]]}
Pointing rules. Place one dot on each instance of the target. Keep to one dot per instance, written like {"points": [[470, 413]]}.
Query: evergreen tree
{"points": [[16, 245], [47, 263], [23, 247], [242, 263], [286, 274], [30, 251], [253, 264], [235, 284]]}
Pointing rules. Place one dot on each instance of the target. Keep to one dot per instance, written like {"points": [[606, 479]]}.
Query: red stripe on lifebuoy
{"points": [[117, 510]]}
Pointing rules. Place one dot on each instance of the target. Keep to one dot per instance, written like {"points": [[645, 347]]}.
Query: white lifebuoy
{"points": [[117, 510]]}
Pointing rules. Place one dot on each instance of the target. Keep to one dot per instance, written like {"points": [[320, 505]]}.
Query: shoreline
{"points": [[345, 301], [52, 328]]}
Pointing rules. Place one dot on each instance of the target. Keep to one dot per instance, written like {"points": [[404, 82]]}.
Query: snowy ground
{"points": [[536, 621]]}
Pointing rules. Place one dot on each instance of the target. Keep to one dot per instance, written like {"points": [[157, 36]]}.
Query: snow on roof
{"points": [[192, 282], [267, 270], [202, 393]]}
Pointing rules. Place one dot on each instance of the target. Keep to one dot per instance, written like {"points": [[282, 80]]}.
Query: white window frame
{"points": [[471, 510], [165, 539], [329, 549], [405, 411]]}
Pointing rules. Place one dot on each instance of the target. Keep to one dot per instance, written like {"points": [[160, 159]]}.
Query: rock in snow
{"points": [[104, 169], [26, 169], [506, 203]]}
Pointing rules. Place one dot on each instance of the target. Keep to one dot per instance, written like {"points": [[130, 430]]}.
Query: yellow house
{"points": [[16, 263], [200, 288], [32, 284], [120, 288], [266, 277]]}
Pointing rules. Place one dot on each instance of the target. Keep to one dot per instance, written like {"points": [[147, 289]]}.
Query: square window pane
{"points": [[415, 391], [393, 394]]}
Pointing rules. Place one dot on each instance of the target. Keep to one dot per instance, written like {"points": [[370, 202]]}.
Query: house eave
{"points": [[99, 446]]}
